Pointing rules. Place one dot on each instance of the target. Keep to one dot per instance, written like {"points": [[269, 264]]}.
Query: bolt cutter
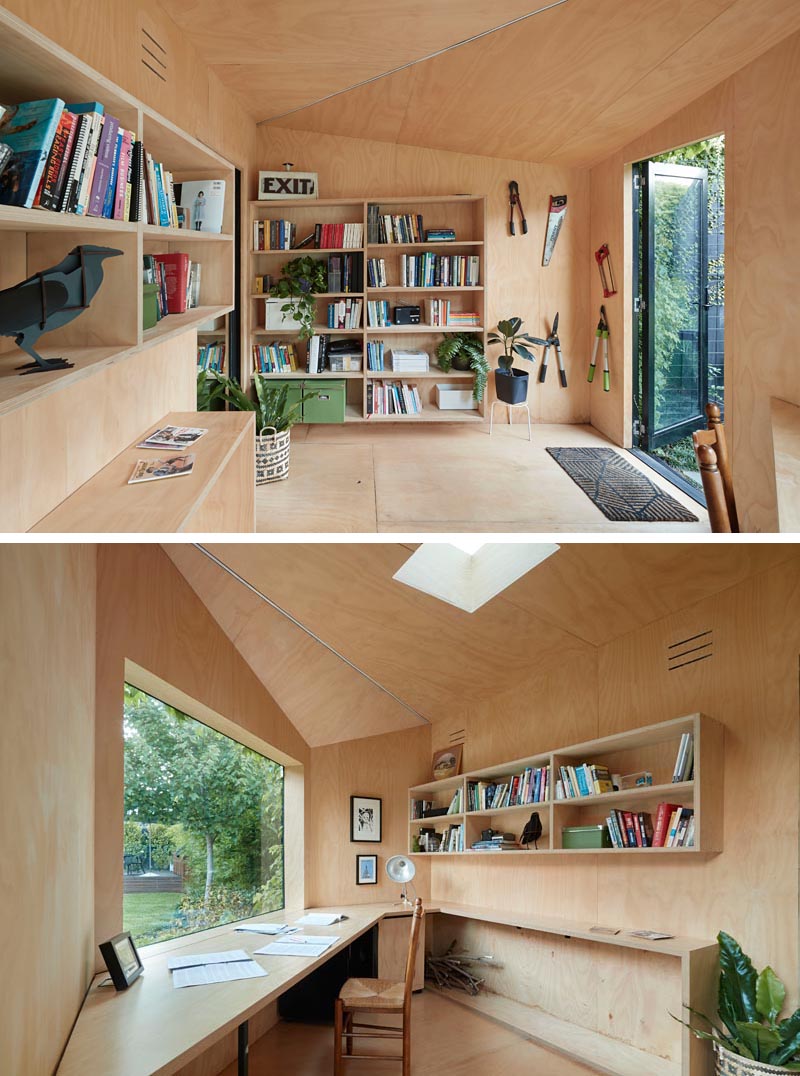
{"points": [[603, 334], [515, 203]]}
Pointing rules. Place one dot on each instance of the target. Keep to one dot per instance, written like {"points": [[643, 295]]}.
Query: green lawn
{"points": [[144, 913]]}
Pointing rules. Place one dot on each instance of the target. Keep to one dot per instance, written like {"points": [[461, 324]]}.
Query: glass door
{"points": [[674, 302]]}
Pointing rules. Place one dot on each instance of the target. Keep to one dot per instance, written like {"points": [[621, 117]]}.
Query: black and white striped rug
{"points": [[619, 490]]}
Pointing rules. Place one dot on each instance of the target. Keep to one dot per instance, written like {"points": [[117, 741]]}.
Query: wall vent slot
{"points": [[458, 737], [687, 651], [154, 55]]}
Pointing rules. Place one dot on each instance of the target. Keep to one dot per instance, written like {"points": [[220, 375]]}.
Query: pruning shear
{"points": [[603, 334], [552, 341], [515, 203]]}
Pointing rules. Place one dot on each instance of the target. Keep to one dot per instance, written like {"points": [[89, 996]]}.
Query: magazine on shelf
{"points": [[173, 437], [171, 467]]}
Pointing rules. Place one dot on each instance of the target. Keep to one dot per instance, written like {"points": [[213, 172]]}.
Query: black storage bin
{"points": [[311, 1000]]}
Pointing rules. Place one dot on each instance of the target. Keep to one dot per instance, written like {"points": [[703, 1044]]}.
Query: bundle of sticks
{"points": [[457, 970]]}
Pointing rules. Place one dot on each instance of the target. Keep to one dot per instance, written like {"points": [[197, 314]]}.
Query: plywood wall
{"points": [[756, 109], [518, 285], [108, 37], [751, 687], [383, 766], [46, 798], [148, 614]]}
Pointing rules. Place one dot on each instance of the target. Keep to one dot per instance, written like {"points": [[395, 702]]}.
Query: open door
{"points": [[674, 302]]}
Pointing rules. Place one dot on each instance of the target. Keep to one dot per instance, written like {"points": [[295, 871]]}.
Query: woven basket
{"points": [[272, 456], [729, 1064]]}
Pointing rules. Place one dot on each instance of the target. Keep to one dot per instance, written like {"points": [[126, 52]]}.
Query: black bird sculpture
{"points": [[532, 831], [51, 299]]}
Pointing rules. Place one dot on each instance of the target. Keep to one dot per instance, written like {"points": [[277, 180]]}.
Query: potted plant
{"points": [[274, 420], [464, 351], [752, 1040], [512, 385], [300, 280]]}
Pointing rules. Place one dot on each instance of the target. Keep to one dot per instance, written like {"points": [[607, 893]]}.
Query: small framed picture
{"points": [[122, 960], [366, 870], [447, 763], [365, 819]]}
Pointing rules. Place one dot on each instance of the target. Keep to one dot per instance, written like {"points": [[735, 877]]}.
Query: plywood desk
{"points": [[152, 1028]]}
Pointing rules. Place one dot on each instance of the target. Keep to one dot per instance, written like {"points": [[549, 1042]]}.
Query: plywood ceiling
{"points": [[569, 85], [431, 657]]}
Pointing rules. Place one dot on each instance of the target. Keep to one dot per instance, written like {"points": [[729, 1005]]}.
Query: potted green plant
{"points": [[464, 351], [274, 420], [301, 279], [751, 1040], [512, 385]]}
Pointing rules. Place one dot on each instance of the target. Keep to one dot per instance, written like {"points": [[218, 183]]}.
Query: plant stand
{"points": [[510, 407]]}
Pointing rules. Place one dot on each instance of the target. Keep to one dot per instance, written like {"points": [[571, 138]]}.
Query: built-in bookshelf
{"points": [[653, 750], [32, 68], [465, 215]]}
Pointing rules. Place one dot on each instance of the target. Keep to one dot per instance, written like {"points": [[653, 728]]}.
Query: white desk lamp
{"points": [[401, 869]]}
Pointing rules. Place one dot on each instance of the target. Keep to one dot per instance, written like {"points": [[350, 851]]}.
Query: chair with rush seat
{"points": [[711, 450], [377, 996]]}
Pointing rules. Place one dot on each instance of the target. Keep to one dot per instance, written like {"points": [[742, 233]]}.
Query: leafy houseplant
{"points": [[464, 351], [300, 280], [270, 404], [749, 1006], [511, 384]]}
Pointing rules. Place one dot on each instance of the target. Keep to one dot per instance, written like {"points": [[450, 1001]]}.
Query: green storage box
{"points": [[328, 406], [585, 837], [150, 306], [295, 393]]}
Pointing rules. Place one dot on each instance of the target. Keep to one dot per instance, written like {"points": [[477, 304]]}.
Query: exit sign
{"points": [[273, 186]]}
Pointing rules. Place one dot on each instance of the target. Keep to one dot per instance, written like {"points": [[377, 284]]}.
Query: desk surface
{"points": [[152, 1028]]}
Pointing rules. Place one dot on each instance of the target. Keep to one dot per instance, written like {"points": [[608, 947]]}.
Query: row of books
{"points": [[456, 805], [211, 357], [376, 273], [431, 270], [451, 840], [684, 762], [438, 312], [409, 362], [501, 842], [274, 234], [393, 227], [262, 283], [338, 235], [375, 353], [75, 158], [378, 314], [345, 314], [530, 786], [275, 358], [338, 356], [178, 280], [674, 828], [393, 398], [585, 780], [345, 272]]}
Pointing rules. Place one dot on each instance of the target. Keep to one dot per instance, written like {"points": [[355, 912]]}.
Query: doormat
{"points": [[619, 490]]}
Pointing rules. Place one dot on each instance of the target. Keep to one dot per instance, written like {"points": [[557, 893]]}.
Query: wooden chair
{"points": [[377, 996], [711, 450]]}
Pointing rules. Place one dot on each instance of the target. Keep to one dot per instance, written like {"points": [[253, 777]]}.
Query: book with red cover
{"points": [[176, 273], [48, 195], [663, 816]]}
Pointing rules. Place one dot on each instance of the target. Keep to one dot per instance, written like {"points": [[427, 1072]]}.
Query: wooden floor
{"points": [[445, 1039], [362, 479]]}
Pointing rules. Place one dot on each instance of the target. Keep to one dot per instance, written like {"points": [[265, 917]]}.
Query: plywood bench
{"points": [[218, 496]]}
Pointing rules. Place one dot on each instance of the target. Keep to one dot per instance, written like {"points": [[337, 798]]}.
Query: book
{"points": [[321, 919], [176, 275], [55, 172], [650, 935], [106, 149], [203, 201], [663, 816], [28, 129], [173, 437], [94, 113], [169, 467]]}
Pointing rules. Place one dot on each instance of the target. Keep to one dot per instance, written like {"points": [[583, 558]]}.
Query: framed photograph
{"points": [[122, 960], [366, 870], [447, 763], [365, 819]]}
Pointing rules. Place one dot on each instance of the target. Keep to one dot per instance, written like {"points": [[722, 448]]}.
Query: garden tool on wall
{"points": [[603, 259], [552, 341], [515, 203], [603, 334], [555, 221]]}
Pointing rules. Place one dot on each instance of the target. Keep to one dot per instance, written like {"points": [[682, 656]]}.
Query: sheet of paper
{"points": [[650, 935], [292, 949], [320, 919], [268, 928], [316, 939], [203, 974], [194, 960]]}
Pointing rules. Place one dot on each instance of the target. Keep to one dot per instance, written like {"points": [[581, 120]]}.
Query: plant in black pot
{"points": [[512, 385]]}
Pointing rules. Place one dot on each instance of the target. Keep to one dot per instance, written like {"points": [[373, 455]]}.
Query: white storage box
{"points": [[274, 317], [455, 398]]}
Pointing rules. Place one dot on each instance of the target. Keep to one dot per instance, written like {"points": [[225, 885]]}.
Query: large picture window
{"points": [[203, 826]]}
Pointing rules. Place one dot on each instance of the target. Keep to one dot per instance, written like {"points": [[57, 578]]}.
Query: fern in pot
{"points": [[749, 1040], [510, 384], [464, 352]]}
